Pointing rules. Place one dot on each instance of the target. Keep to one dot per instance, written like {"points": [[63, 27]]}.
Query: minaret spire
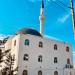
{"points": [[41, 18], [42, 4]]}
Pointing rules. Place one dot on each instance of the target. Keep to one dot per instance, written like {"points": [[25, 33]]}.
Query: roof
{"points": [[29, 31]]}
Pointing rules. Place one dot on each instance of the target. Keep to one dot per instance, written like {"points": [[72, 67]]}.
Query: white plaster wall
{"points": [[8, 44], [69, 72], [15, 49], [32, 65], [47, 52]]}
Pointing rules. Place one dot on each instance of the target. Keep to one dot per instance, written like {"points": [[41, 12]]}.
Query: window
{"points": [[26, 42], [40, 58], [68, 61], [55, 60], [40, 72], [25, 57], [40, 44], [55, 47], [55, 73], [25, 72], [67, 49], [15, 43], [0, 55]]}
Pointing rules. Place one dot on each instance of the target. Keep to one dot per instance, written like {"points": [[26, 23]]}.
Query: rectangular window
{"points": [[55, 60], [27, 42], [15, 43], [25, 58], [40, 58]]}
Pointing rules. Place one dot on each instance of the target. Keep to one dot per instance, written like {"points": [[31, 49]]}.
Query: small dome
{"points": [[29, 31]]}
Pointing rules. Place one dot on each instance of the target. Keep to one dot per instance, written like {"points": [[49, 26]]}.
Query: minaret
{"points": [[41, 18]]}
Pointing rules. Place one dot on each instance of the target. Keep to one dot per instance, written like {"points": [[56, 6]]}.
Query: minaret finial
{"points": [[41, 18]]}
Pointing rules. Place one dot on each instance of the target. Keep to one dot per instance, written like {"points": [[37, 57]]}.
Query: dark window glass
{"points": [[15, 43], [25, 72], [55, 60], [67, 49], [40, 44], [68, 61], [55, 73], [26, 42], [55, 47], [25, 57], [40, 58], [1, 55], [40, 72]]}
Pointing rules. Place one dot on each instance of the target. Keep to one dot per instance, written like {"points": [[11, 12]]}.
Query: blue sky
{"points": [[17, 14]]}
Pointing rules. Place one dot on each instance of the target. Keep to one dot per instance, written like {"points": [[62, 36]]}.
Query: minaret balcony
{"points": [[68, 66]]}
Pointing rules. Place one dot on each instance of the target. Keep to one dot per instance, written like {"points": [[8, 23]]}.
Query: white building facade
{"points": [[36, 54]]}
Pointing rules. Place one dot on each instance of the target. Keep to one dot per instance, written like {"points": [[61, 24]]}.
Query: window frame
{"points": [[27, 42], [55, 72], [39, 72], [15, 43], [55, 60], [40, 58], [40, 44], [68, 61], [25, 72], [26, 57], [67, 49], [55, 47]]}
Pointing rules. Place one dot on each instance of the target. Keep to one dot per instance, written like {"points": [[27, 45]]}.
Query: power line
{"points": [[60, 6], [64, 4]]}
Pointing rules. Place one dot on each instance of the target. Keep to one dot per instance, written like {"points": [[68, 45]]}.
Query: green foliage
{"points": [[5, 40], [2, 54], [9, 61], [9, 64]]}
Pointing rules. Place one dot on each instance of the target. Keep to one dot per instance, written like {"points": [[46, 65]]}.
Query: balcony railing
{"points": [[68, 66]]}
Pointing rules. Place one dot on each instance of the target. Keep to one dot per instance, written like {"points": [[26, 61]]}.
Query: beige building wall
{"points": [[47, 51]]}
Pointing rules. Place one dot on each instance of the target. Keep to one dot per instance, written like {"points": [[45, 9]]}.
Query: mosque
{"points": [[38, 55]]}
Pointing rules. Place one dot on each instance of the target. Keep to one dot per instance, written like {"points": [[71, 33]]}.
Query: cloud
{"points": [[2, 36], [53, 38], [50, 37], [74, 53], [63, 18]]}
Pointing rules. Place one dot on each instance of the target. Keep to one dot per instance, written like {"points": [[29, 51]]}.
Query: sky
{"points": [[17, 14]]}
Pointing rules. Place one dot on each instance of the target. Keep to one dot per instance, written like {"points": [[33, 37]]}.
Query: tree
{"points": [[4, 71], [5, 40], [2, 54], [9, 64]]}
